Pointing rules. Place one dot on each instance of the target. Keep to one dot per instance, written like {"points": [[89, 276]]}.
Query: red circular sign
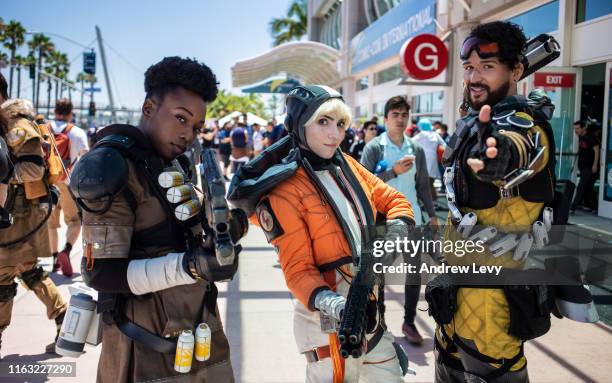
{"points": [[424, 57]]}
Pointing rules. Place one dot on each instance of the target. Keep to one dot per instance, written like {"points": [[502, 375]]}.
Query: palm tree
{"points": [[13, 38], [291, 27], [42, 45], [58, 66], [20, 62]]}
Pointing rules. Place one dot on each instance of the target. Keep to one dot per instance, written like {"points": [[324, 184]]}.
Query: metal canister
{"points": [[184, 352], [187, 210], [170, 179], [202, 342], [179, 193]]}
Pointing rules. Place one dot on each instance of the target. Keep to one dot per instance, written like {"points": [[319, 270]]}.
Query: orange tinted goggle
{"points": [[484, 48]]}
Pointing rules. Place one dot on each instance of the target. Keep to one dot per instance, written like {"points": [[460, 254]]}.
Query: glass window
{"points": [[379, 109], [388, 74], [428, 103], [362, 83], [362, 111], [591, 9], [608, 168], [331, 28], [542, 19]]}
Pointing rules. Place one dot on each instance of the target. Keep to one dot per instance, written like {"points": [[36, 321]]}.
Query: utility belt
{"points": [[18, 205], [529, 305], [529, 308], [445, 356], [111, 306]]}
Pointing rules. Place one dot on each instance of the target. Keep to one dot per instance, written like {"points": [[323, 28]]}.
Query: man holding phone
{"points": [[401, 163]]}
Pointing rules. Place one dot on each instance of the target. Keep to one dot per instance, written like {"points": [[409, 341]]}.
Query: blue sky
{"points": [[218, 32]]}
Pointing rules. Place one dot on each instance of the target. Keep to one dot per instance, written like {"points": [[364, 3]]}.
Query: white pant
{"points": [[308, 335]]}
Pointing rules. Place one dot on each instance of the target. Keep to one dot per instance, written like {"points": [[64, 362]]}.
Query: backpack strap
{"points": [[68, 127]]}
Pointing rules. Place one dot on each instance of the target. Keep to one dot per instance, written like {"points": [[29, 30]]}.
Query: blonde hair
{"points": [[335, 108]]}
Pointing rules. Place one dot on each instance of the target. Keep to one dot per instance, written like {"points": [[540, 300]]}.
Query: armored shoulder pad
{"points": [[116, 140], [100, 175]]}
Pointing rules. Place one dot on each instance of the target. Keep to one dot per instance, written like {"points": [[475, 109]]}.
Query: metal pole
{"points": [[38, 78], [91, 119], [82, 97], [103, 56]]}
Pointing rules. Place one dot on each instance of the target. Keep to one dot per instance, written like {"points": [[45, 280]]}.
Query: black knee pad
{"points": [[8, 292], [31, 277]]}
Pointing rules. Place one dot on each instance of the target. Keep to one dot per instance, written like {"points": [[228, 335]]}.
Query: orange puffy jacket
{"points": [[312, 237]]}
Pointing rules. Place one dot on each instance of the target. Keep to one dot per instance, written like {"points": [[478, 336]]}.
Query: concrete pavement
{"points": [[258, 317]]}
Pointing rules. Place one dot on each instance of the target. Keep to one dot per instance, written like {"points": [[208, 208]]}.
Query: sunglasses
{"points": [[484, 48], [370, 129]]}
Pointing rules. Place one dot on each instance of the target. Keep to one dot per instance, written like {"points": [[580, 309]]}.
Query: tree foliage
{"points": [[291, 27], [227, 102]]}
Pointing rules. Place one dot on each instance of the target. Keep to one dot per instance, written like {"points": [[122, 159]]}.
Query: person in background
{"points": [[278, 132], [26, 238], [207, 137], [412, 129], [225, 147], [430, 141], [400, 162], [268, 134], [71, 143], [240, 146], [369, 132], [350, 137], [442, 130], [380, 129], [588, 165], [258, 139]]}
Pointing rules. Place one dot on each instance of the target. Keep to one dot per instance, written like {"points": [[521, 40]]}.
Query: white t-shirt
{"points": [[430, 141], [76, 135], [257, 140]]}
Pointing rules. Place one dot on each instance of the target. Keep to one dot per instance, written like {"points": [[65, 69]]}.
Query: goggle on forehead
{"points": [[485, 49], [301, 93]]}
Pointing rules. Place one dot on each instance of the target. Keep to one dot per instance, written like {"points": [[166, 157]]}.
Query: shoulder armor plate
{"points": [[116, 139], [100, 174]]}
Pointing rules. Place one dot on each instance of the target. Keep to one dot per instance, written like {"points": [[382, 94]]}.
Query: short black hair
{"points": [[368, 123], [3, 87], [579, 122], [508, 36], [63, 107], [176, 72], [396, 102]]}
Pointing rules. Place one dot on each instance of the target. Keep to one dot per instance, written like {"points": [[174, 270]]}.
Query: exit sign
{"points": [[559, 80]]}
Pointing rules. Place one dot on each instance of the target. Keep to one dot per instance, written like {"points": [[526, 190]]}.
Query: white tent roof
{"points": [[310, 61], [251, 118]]}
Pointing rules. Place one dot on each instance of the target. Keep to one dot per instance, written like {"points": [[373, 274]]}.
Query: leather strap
{"points": [[147, 338], [317, 354]]}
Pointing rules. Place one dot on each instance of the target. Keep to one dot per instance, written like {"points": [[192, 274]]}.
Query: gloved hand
{"points": [[491, 158], [239, 225], [202, 263], [395, 228], [330, 303]]}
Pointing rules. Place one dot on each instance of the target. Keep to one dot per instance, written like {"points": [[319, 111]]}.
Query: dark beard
{"points": [[493, 97]]}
